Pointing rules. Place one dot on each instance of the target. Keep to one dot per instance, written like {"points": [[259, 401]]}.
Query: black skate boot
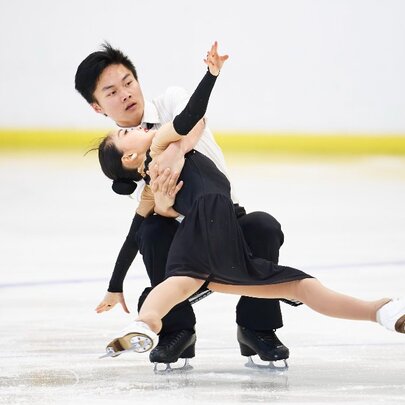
{"points": [[266, 344], [172, 347]]}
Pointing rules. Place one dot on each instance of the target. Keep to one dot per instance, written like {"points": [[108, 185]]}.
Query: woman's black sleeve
{"points": [[196, 106], [126, 256]]}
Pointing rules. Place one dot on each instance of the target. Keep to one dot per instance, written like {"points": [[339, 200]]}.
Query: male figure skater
{"points": [[108, 80]]}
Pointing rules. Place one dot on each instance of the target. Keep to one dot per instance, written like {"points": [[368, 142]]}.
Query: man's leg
{"points": [[257, 318], [177, 337]]}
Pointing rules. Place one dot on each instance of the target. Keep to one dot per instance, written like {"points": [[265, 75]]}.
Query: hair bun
{"points": [[124, 186]]}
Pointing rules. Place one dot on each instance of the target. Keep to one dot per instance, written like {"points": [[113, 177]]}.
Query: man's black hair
{"points": [[90, 70]]}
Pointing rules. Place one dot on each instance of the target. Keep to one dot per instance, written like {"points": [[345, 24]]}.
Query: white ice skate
{"points": [[136, 337], [392, 315]]}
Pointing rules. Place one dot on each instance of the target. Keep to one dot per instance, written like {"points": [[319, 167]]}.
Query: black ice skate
{"points": [[266, 345], [172, 347]]}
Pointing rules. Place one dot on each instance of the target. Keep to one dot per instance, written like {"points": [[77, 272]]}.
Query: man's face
{"points": [[119, 96]]}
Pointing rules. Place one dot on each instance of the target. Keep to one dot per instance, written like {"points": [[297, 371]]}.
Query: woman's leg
{"points": [[312, 293], [164, 297], [154, 239], [309, 291], [140, 338]]}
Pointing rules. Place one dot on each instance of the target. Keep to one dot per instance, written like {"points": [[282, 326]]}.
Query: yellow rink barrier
{"points": [[295, 143]]}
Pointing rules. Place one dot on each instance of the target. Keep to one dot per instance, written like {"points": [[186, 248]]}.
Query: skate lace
{"points": [[269, 337], [173, 338]]}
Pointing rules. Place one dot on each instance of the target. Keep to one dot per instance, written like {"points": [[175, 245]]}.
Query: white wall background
{"points": [[301, 65]]}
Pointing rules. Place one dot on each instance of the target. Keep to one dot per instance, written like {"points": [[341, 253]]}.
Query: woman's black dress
{"points": [[209, 243]]}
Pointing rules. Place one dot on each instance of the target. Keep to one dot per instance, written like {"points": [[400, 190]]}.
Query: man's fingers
{"points": [[159, 182], [174, 177], [165, 181], [172, 182], [178, 187], [153, 171], [165, 175]]}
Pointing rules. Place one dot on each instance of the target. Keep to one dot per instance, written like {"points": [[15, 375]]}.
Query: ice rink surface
{"points": [[61, 228]]}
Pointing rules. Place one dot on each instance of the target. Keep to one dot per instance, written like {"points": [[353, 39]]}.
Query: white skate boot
{"points": [[392, 315], [136, 337]]}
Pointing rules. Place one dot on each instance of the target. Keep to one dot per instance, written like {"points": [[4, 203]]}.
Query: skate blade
{"points": [[271, 366], [166, 368], [112, 351], [108, 354]]}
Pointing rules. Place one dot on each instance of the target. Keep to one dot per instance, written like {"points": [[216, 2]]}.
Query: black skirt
{"points": [[209, 245]]}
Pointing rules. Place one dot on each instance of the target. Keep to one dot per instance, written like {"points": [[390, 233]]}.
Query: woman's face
{"points": [[133, 141]]}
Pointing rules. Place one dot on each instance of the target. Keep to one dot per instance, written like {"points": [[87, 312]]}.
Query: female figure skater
{"points": [[208, 249]]}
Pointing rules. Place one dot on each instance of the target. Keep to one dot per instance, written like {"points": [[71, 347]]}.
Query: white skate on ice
{"points": [[392, 315], [136, 337]]}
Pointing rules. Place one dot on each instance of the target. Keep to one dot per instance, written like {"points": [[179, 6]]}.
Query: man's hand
{"points": [[165, 183], [172, 158], [215, 61], [165, 189], [110, 300]]}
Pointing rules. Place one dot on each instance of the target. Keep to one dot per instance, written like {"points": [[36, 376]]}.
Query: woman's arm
{"points": [[190, 141], [126, 255], [172, 159], [165, 171], [189, 122], [188, 118], [124, 260], [196, 106]]}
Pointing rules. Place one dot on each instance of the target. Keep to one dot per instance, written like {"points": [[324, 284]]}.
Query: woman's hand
{"points": [[215, 61], [109, 302]]}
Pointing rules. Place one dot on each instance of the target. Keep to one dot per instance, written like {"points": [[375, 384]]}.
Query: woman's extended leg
{"points": [[309, 291], [164, 297], [312, 293], [141, 335]]}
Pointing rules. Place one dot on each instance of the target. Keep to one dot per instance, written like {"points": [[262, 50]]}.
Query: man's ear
{"points": [[129, 161], [97, 108]]}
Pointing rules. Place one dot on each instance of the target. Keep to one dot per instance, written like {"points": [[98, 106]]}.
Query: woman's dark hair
{"points": [[111, 165], [91, 68]]}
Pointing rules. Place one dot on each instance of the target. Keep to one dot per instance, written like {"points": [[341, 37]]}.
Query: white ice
{"points": [[61, 227]]}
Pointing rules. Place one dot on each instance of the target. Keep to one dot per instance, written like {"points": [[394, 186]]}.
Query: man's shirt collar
{"points": [[150, 113]]}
